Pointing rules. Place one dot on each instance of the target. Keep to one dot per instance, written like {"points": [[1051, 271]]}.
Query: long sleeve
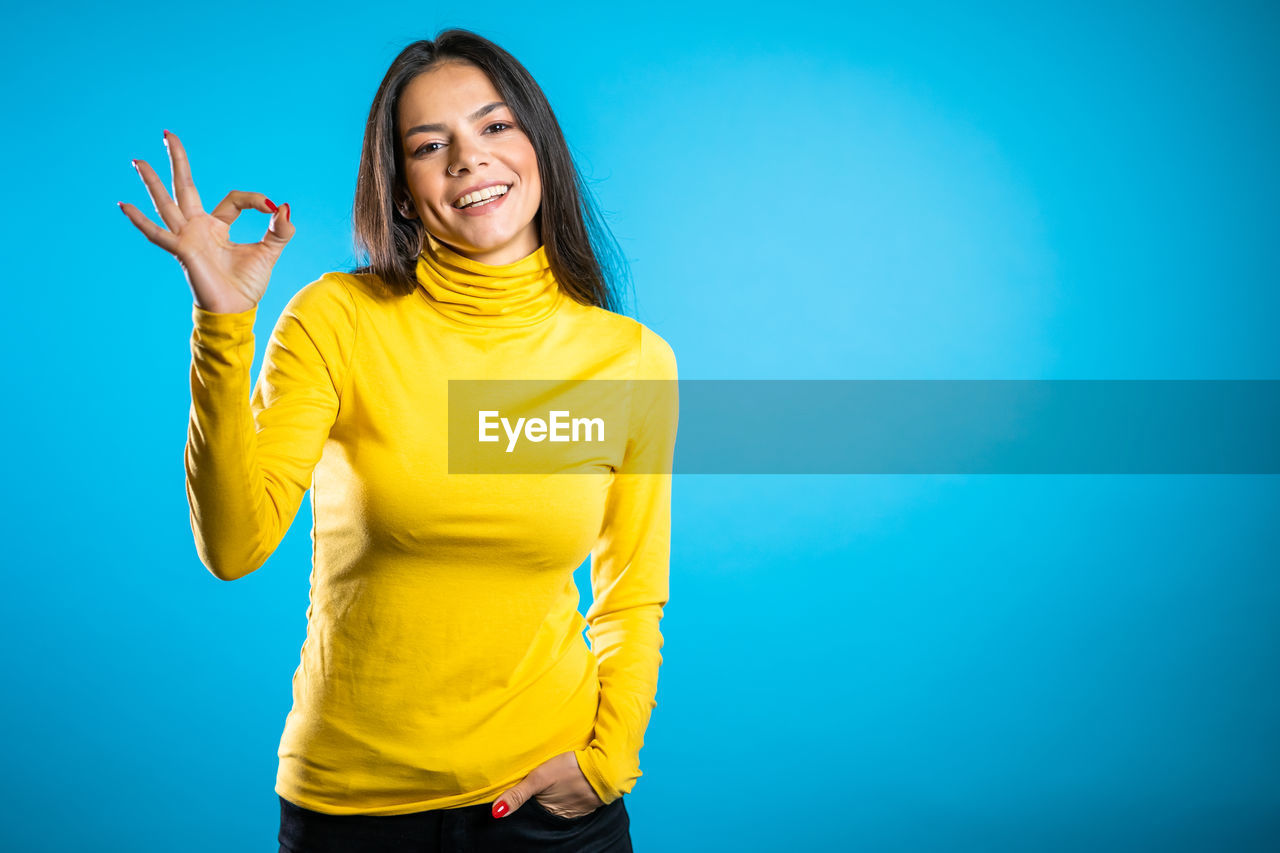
{"points": [[249, 457], [630, 578]]}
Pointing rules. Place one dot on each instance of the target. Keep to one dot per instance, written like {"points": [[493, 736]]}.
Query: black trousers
{"points": [[471, 829]]}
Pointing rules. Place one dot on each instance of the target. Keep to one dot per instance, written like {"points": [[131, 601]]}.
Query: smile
{"points": [[485, 206], [484, 201]]}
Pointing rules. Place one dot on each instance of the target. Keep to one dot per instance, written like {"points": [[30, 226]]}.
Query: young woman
{"points": [[446, 698]]}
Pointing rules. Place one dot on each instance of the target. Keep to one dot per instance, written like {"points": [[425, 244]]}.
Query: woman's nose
{"points": [[468, 155]]}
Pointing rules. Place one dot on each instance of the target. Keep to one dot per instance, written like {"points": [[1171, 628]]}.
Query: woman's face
{"points": [[448, 122]]}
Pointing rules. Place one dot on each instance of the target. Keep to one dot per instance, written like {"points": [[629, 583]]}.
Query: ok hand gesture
{"points": [[225, 277]]}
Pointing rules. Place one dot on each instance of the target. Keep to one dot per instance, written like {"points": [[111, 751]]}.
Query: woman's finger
{"points": [[184, 188], [165, 207], [238, 201], [153, 232], [279, 230]]}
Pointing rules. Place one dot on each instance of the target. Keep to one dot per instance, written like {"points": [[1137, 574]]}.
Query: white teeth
{"points": [[488, 192]]}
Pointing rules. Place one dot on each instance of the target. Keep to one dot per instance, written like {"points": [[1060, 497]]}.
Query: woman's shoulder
{"points": [[325, 298], [656, 358], [337, 302], [359, 286], [340, 292]]}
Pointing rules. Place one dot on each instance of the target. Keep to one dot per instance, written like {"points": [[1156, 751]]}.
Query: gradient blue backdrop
{"points": [[899, 190]]}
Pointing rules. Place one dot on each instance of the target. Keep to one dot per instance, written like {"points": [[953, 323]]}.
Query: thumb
{"points": [[513, 798], [280, 230]]}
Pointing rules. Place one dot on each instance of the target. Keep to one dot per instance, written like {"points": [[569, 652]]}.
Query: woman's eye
{"points": [[427, 149]]}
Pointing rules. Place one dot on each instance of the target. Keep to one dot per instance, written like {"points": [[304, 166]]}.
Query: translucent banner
{"points": [[866, 426]]}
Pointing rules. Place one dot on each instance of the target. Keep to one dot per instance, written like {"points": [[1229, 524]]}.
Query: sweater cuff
{"points": [[591, 769], [215, 322], [214, 332]]}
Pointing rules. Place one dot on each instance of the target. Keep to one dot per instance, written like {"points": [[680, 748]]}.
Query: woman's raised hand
{"points": [[225, 277]]}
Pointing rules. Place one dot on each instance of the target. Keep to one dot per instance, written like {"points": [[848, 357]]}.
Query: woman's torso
{"points": [[444, 656]]}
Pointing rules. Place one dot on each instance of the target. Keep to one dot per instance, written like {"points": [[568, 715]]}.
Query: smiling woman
{"points": [[460, 115], [445, 698], [476, 157]]}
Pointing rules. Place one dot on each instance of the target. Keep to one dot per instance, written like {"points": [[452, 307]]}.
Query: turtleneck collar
{"points": [[504, 295]]}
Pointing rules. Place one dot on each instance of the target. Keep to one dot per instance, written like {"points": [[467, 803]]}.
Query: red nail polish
{"points": [[499, 809], [286, 210], [271, 205]]}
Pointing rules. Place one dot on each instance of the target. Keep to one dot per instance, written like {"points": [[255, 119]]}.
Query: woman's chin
{"points": [[479, 240], [472, 247]]}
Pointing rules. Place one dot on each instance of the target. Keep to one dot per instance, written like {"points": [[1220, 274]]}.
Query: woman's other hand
{"points": [[225, 277], [559, 786]]}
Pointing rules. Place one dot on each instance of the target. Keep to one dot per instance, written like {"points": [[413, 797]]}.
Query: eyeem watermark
{"points": [[558, 426], [874, 426], [537, 429]]}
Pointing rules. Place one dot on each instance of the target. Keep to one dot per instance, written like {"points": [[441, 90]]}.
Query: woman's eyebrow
{"points": [[434, 128]]}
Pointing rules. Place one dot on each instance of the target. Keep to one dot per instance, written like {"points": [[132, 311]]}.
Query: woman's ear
{"points": [[404, 205]]}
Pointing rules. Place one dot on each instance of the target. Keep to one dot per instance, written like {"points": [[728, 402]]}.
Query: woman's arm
{"points": [[629, 578], [249, 458]]}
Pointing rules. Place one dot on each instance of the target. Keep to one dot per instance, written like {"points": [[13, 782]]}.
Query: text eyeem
{"points": [[536, 429]]}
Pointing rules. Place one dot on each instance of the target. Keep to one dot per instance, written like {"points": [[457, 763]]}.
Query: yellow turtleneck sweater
{"points": [[444, 658]]}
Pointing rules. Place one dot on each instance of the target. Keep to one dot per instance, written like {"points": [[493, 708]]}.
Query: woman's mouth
{"points": [[485, 206]]}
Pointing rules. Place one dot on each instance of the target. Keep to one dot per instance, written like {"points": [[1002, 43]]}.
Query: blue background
{"points": [[900, 190]]}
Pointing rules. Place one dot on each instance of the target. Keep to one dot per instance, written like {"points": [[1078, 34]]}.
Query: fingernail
{"points": [[499, 809], [271, 205], [135, 163], [286, 210], [166, 137]]}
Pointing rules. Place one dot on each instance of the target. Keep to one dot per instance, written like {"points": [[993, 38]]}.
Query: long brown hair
{"points": [[569, 223]]}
